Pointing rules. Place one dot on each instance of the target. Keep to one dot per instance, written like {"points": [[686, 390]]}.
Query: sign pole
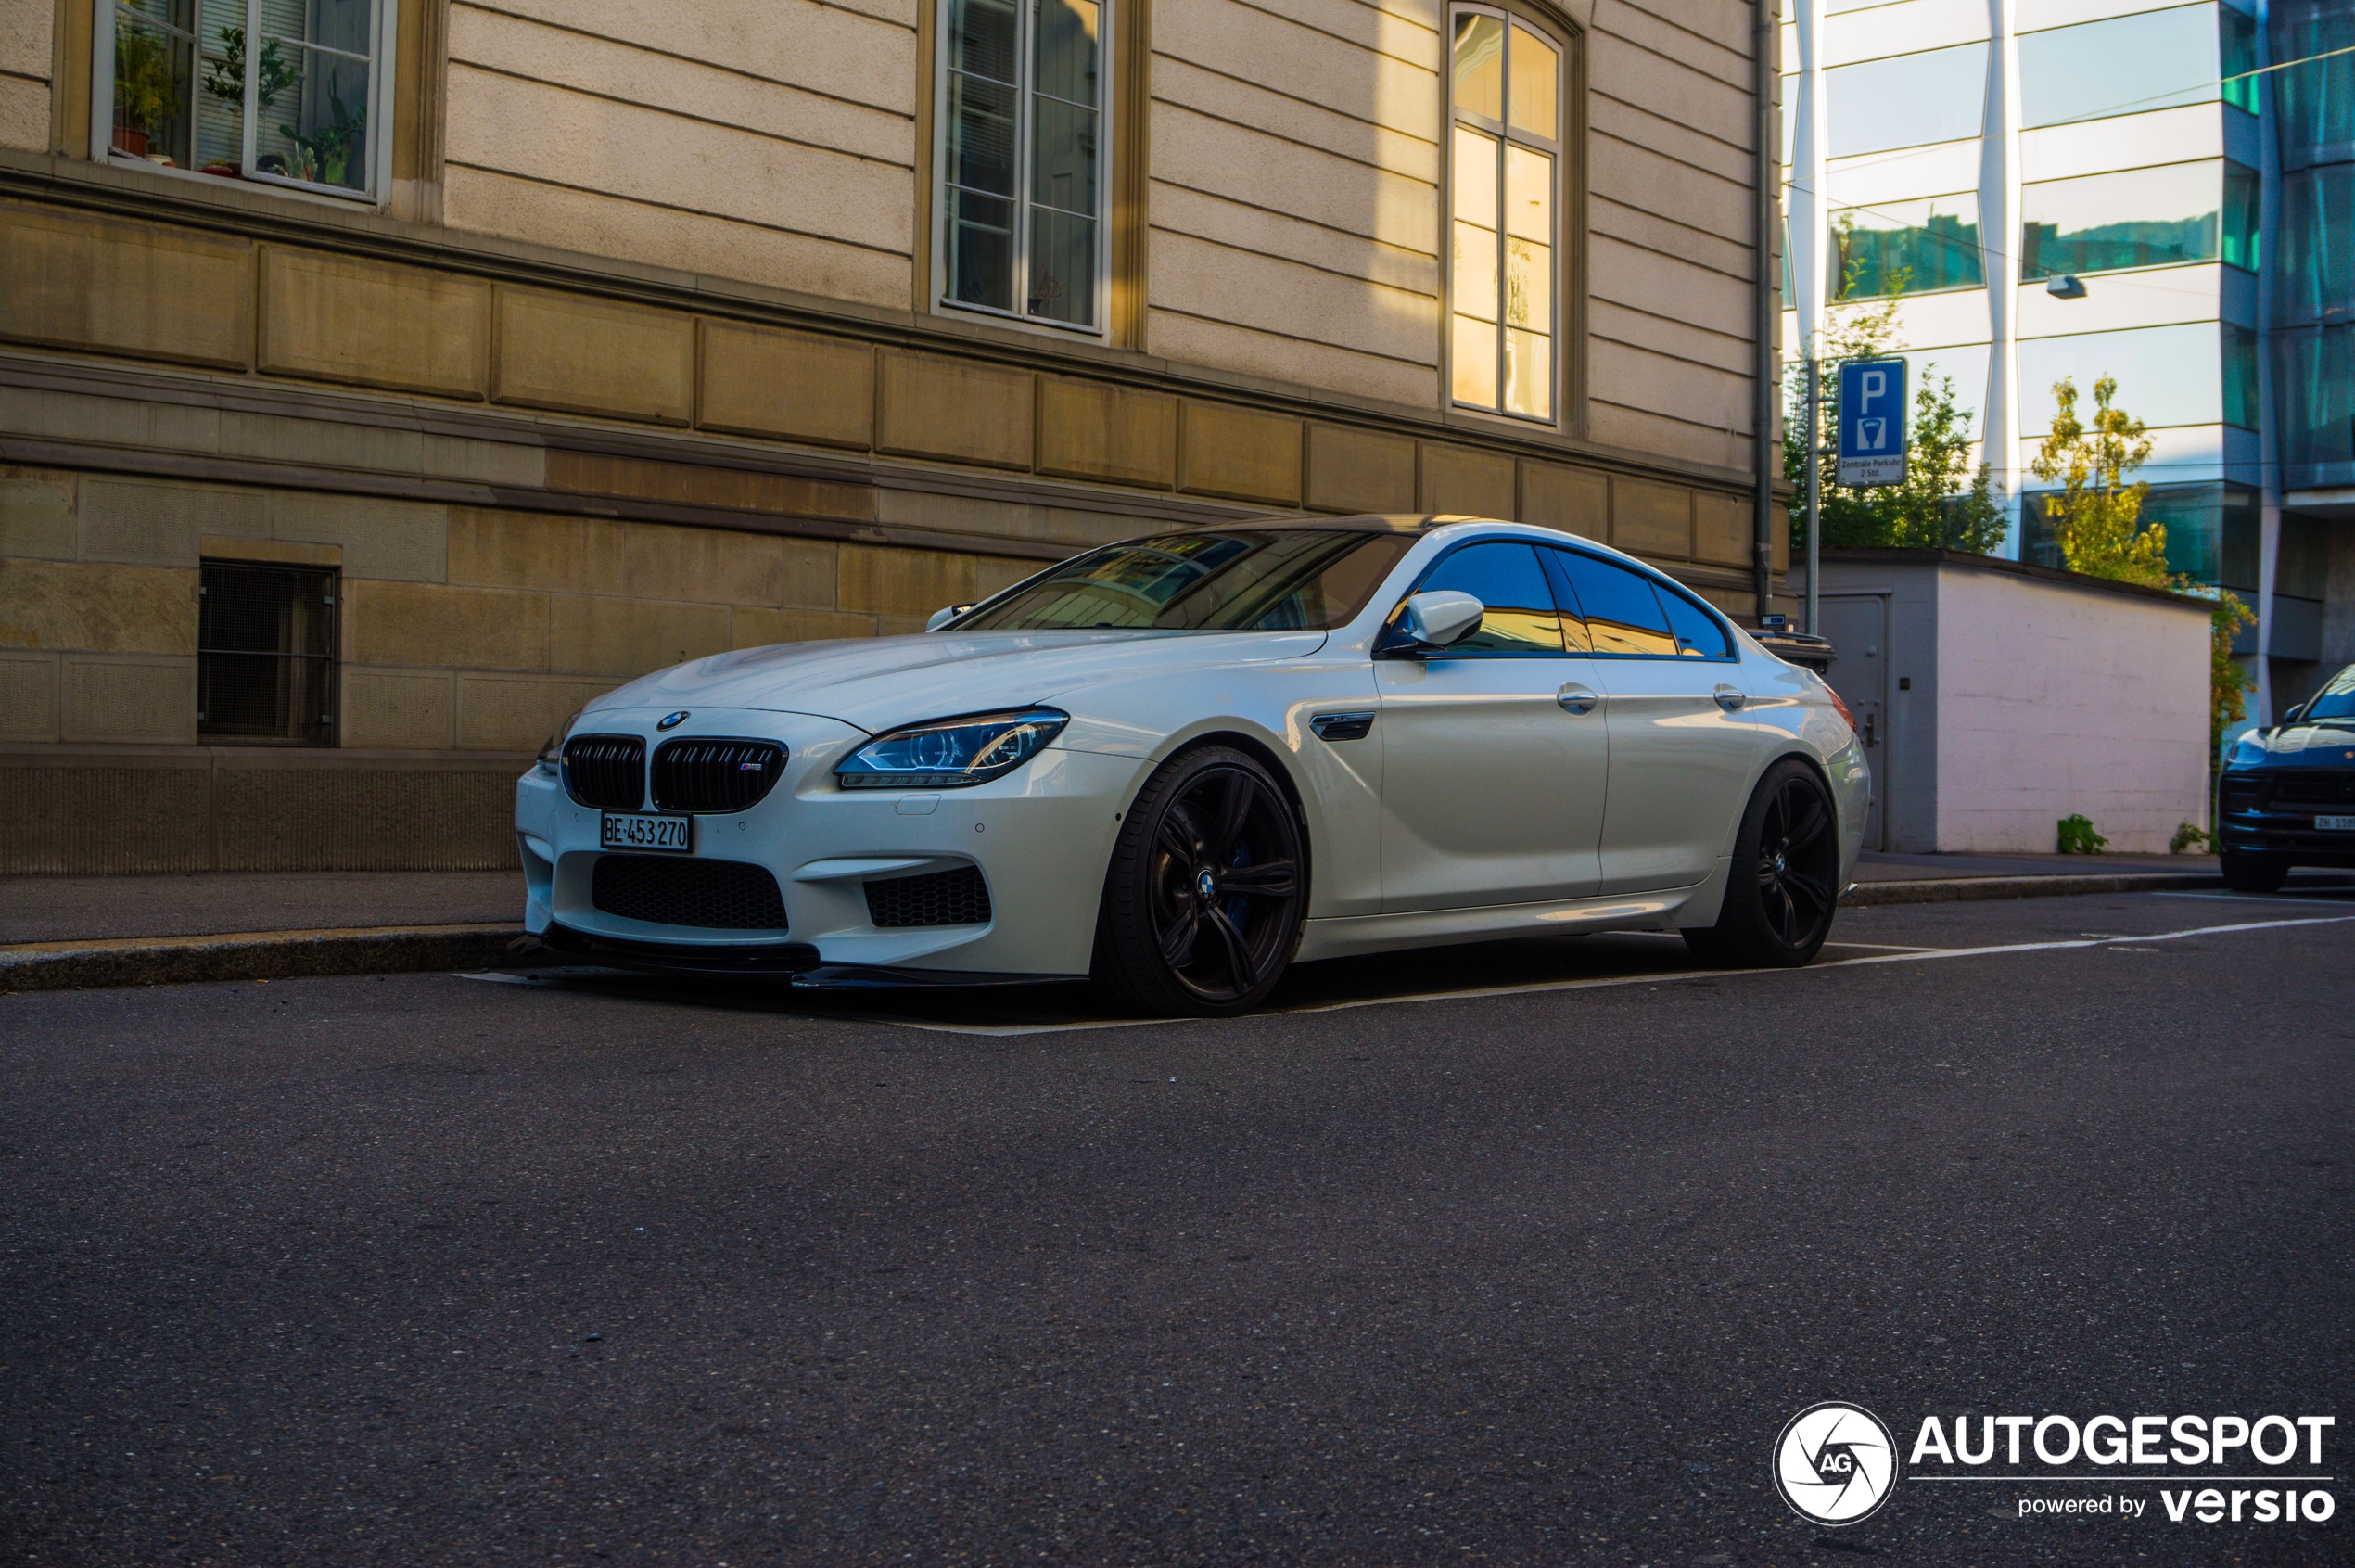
{"points": [[1815, 490]]}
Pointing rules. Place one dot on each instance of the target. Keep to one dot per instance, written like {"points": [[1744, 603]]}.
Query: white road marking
{"points": [[1906, 955]]}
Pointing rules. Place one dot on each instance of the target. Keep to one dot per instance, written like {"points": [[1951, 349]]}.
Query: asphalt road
{"points": [[431, 1269]]}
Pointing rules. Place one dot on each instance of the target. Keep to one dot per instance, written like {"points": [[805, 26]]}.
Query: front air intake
{"points": [[606, 772], [661, 891], [715, 775], [948, 898]]}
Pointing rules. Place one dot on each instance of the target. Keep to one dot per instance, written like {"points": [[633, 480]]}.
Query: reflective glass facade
{"points": [[2122, 65], [2136, 165], [2134, 218], [1910, 248], [2313, 324]]}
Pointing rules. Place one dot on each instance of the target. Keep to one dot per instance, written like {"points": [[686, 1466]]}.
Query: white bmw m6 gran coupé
{"points": [[1179, 764]]}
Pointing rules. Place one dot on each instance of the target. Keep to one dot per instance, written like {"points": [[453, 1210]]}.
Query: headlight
{"points": [[950, 753], [2246, 750], [552, 754]]}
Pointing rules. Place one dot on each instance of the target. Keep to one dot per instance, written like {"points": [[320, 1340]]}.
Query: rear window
{"points": [[1623, 613], [1271, 579]]}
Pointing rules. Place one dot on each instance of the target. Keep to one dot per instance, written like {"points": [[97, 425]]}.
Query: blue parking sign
{"points": [[1872, 422]]}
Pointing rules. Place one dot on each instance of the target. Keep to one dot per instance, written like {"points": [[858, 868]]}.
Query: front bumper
{"points": [[1040, 837], [2254, 818]]}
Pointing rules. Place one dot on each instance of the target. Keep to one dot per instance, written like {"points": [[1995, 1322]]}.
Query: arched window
{"points": [[1505, 174]]}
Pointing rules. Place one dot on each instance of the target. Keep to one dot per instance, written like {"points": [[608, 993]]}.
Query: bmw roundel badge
{"points": [[672, 720]]}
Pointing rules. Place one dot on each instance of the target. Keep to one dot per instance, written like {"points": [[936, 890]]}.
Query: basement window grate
{"points": [[265, 653]]}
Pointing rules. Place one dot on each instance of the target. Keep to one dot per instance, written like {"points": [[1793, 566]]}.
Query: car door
{"points": [[1681, 750], [1495, 760]]}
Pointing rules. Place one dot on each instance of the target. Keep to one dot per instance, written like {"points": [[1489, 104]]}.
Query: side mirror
{"points": [[941, 617], [1430, 621]]}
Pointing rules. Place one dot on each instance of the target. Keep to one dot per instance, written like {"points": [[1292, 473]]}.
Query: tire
{"points": [[2245, 873], [1785, 885], [1206, 891]]}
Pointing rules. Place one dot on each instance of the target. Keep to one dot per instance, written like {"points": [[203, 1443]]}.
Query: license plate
{"points": [[644, 830], [2335, 824]]}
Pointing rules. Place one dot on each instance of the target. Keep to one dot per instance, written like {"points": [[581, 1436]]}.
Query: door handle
{"points": [[1575, 698], [1729, 697]]}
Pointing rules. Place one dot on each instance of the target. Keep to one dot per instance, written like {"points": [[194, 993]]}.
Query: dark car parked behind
{"points": [[2288, 795]]}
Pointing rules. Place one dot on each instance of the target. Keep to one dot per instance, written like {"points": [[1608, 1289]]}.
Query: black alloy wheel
{"points": [[1203, 900], [1784, 886]]}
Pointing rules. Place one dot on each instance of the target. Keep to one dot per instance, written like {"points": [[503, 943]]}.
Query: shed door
{"points": [[1858, 626]]}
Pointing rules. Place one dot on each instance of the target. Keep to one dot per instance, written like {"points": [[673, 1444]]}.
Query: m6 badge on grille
{"points": [[645, 830]]}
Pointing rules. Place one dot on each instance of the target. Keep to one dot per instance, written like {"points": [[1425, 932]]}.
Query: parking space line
{"points": [[1895, 955]]}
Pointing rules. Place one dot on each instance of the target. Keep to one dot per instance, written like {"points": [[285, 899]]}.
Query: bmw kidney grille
{"points": [[715, 775], [606, 772]]}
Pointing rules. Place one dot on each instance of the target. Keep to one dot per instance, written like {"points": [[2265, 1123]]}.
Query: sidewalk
{"points": [[66, 932], [76, 931]]}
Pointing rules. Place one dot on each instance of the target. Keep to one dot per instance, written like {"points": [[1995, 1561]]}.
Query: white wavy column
{"points": [[1998, 234]]}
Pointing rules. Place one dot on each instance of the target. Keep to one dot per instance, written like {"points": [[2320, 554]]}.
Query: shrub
{"points": [[2078, 837]]}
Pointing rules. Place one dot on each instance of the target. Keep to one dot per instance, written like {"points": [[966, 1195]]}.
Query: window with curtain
{"points": [[1504, 171], [285, 92], [1023, 94]]}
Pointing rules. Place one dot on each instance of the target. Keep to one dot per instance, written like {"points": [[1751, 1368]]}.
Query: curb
{"points": [[1964, 890], [251, 955]]}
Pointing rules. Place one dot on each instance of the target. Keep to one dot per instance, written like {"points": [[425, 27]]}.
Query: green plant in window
{"points": [[146, 80], [325, 156], [225, 77]]}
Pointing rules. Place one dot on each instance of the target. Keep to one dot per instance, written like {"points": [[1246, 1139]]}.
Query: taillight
{"points": [[1847, 717]]}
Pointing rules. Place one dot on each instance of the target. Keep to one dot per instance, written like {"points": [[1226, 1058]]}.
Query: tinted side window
{"points": [[1697, 630], [1504, 577], [1623, 614]]}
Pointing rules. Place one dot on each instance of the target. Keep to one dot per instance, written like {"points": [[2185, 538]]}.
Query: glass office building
{"points": [[2086, 187]]}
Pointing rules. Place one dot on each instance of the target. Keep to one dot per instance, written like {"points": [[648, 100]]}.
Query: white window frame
{"points": [[1106, 143], [1558, 153], [384, 32]]}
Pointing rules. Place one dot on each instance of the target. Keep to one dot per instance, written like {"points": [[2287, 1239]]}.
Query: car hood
{"points": [[878, 682], [2329, 744]]}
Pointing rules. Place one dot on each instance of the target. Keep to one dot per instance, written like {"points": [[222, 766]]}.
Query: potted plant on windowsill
{"points": [[224, 78], [325, 156], [147, 88]]}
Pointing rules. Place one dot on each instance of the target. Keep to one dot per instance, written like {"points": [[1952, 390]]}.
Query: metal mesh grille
{"points": [[265, 653], [2319, 785], [719, 894], [948, 898], [606, 772], [715, 775]]}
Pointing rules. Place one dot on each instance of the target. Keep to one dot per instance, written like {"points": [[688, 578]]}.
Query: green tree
{"points": [[2096, 517], [1943, 503], [2228, 684], [2096, 513]]}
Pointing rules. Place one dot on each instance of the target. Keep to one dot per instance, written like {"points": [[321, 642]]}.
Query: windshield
{"points": [[1271, 579], [2336, 700]]}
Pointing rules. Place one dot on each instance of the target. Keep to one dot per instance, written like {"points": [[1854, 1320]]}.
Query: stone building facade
{"points": [[520, 349]]}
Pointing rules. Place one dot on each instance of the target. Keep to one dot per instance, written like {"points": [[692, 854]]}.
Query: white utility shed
{"points": [[1997, 698]]}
